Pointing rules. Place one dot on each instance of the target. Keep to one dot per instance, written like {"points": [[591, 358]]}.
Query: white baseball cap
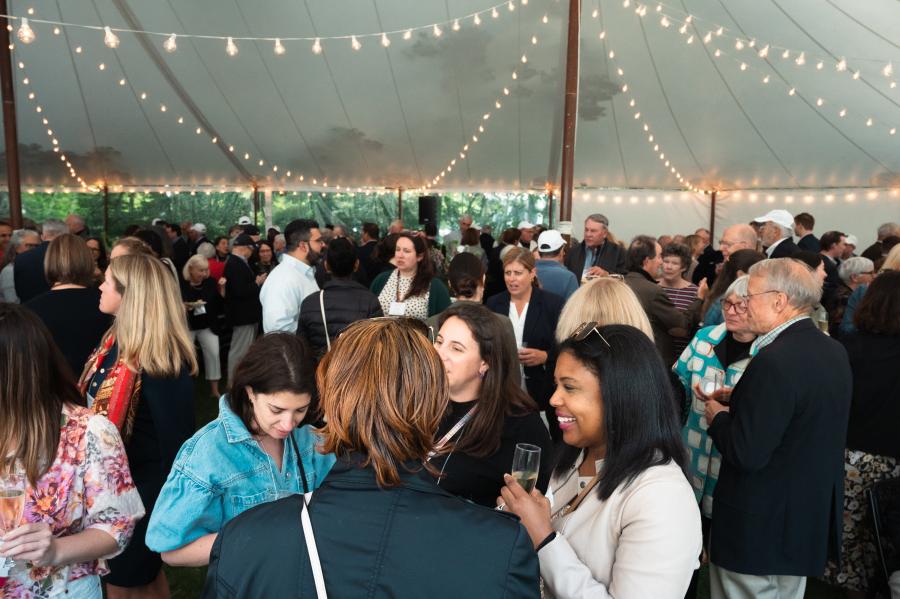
{"points": [[244, 220], [852, 240], [779, 217], [550, 241], [525, 225], [199, 228]]}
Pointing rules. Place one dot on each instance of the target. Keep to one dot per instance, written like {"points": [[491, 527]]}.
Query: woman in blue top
{"points": [[246, 456]]}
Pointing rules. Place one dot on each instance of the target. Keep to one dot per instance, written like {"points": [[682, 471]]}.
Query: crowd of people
{"points": [[685, 401]]}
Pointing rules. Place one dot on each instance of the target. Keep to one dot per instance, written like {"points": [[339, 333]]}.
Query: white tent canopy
{"points": [[775, 98]]}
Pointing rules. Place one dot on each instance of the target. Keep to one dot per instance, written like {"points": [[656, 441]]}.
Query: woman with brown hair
{"points": [[257, 450], [70, 309], [140, 378], [411, 289], [379, 523], [534, 314], [78, 504], [488, 413]]}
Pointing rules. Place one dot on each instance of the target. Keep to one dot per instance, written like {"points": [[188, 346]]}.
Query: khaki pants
{"points": [[242, 338], [725, 584]]}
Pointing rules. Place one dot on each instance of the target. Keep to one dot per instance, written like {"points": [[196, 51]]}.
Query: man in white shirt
{"points": [[452, 239], [292, 280]]}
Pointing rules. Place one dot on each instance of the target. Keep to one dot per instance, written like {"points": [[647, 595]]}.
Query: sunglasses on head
{"points": [[585, 329]]}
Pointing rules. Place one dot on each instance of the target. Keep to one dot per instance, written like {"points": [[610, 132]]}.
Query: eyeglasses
{"points": [[746, 297], [585, 329], [739, 307]]}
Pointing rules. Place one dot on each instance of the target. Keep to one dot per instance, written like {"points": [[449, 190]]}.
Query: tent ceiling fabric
{"points": [[396, 116]]}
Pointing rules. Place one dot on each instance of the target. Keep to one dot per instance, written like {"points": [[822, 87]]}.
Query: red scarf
{"points": [[117, 397]]}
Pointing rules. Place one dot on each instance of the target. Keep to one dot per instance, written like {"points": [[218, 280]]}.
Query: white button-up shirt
{"points": [[285, 288]]}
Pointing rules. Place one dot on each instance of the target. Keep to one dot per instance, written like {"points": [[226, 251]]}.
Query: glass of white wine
{"points": [[525, 466], [12, 507]]}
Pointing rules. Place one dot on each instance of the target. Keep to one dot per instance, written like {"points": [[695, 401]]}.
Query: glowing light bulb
{"points": [[354, 43], [56, 31], [841, 66], [739, 45], [766, 79], [436, 30], [820, 65], [533, 40], [819, 101], [720, 31], [170, 45], [595, 14], [407, 34], [690, 39], [385, 40], [25, 32], [511, 6], [231, 48], [855, 75], [743, 66], [545, 19], [602, 35], [792, 91], [110, 39], [456, 26], [317, 46], [764, 51], [476, 19], [279, 48], [495, 13], [664, 21], [524, 59], [786, 54], [869, 122], [801, 60], [707, 38], [888, 70]]}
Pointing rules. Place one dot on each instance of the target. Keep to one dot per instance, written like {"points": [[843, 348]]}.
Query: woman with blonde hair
{"points": [[383, 394], [200, 294], [140, 378], [605, 300]]}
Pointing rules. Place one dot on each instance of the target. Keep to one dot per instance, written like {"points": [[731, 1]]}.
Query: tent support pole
{"points": [[106, 214], [10, 133], [712, 216], [255, 204], [400, 204], [571, 112], [550, 207]]}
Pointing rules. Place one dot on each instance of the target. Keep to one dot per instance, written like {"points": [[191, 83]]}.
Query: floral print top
{"points": [[87, 486]]}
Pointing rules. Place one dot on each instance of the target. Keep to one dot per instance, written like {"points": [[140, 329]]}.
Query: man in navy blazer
{"points": [[778, 502], [28, 269]]}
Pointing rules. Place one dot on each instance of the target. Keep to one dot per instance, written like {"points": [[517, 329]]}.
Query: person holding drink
{"points": [[489, 414], [67, 499], [623, 521]]}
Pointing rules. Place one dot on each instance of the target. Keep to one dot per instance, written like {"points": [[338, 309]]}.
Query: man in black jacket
{"points": [[777, 234], [243, 311], [779, 498], [180, 250], [28, 269], [596, 256], [342, 300], [368, 240]]}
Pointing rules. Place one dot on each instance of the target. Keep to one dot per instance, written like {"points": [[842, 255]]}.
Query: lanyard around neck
{"points": [[452, 432]]}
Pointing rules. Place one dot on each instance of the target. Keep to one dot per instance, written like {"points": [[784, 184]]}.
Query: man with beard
{"points": [[294, 279]]}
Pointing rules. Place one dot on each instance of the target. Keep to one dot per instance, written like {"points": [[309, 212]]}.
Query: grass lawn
{"points": [[188, 582]]}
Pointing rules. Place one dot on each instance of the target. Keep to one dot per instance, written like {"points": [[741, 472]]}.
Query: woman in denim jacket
{"points": [[245, 457]]}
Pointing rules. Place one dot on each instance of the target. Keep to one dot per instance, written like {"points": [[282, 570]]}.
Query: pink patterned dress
{"points": [[88, 486]]}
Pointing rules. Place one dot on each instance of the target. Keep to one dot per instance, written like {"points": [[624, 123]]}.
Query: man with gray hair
{"points": [[452, 239], [876, 251], [29, 267], [596, 256], [777, 233], [737, 237], [781, 432], [76, 226]]}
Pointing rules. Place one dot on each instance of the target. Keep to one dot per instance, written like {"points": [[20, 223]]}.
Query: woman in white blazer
{"points": [[621, 520]]}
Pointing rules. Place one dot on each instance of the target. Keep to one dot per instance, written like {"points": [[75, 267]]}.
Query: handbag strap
{"points": [[311, 549], [324, 321]]}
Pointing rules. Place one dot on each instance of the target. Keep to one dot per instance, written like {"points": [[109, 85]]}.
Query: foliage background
{"points": [[218, 211]]}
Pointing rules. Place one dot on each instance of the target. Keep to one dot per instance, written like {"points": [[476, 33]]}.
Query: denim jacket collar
{"points": [[235, 431]]}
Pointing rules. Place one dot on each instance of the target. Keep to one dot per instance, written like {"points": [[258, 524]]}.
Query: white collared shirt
{"points": [[284, 290]]}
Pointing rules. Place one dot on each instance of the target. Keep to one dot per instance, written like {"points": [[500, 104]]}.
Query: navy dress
{"points": [[163, 422]]}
